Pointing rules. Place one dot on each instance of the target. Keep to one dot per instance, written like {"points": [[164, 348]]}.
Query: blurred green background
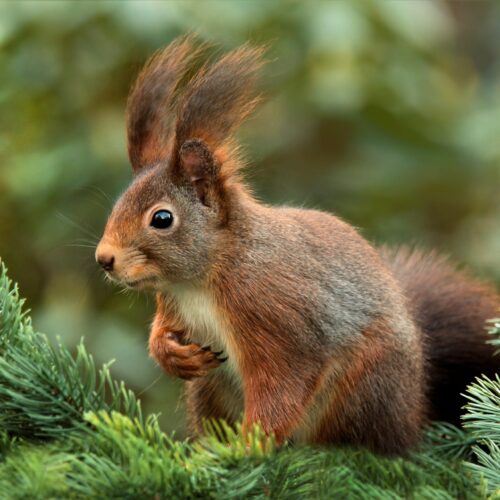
{"points": [[385, 112]]}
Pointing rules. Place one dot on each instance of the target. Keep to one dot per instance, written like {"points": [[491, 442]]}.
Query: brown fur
{"points": [[328, 340], [450, 307], [151, 102], [212, 397], [372, 368]]}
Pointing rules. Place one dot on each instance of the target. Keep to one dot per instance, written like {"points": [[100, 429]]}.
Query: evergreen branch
{"points": [[44, 390], [483, 409], [127, 458], [482, 419], [494, 331], [447, 441]]}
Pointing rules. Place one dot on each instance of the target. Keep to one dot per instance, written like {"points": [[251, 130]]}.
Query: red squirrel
{"points": [[282, 316]]}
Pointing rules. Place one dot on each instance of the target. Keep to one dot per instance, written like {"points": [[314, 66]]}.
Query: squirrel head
{"points": [[167, 226]]}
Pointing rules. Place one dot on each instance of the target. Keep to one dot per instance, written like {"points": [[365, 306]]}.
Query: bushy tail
{"points": [[451, 309]]}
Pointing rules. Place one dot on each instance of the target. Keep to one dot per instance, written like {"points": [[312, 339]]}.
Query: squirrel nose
{"points": [[106, 261]]}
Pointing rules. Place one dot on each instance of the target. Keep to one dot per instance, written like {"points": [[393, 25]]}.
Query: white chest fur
{"points": [[204, 323]]}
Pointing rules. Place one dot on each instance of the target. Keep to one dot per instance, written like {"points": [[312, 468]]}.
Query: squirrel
{"points": [[281, 316]]}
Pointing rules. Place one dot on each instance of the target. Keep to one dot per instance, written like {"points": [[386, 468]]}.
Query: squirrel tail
{"points": [[451, 309]]}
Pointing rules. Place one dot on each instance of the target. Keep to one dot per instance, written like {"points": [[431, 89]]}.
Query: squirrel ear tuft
{"points": [[218, 98], [151, 102], [199, 167]]}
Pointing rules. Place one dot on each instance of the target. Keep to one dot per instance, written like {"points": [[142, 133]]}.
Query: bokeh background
{"points": [[386, 112]]}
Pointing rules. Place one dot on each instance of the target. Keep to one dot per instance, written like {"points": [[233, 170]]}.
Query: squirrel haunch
{"points": [[327, 339]]}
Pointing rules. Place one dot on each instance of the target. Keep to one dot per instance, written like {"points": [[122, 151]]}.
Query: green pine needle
{"points": [[494, 331], [483, 421]]}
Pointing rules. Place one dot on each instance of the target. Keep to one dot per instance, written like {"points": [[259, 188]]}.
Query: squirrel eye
{"points": [[162, 219]]}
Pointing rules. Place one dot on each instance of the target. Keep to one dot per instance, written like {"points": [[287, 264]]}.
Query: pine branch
{"points": [[44, 390], [483, 420], [494, 331], [448, 442]]}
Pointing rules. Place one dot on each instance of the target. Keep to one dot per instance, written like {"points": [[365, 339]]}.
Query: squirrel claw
{"points": [[206, 348], [218, 353], [222, 360]]}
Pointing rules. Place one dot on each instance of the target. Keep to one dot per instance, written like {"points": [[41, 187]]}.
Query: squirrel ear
{"points": [[199, 167]]}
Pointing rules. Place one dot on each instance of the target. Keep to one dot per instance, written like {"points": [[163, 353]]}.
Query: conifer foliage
{"points": [[68, 429]]}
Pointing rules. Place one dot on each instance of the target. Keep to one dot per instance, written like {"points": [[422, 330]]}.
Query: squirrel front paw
{"points": [[183, 361]]}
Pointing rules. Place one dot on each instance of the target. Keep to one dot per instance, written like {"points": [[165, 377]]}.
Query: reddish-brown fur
{"points": [[340, 420], [450, 308], [146, 121], [325, 338], [356, 367]]}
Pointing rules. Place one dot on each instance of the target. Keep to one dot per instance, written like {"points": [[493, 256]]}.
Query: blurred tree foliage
{"points": [[385, 112]]}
